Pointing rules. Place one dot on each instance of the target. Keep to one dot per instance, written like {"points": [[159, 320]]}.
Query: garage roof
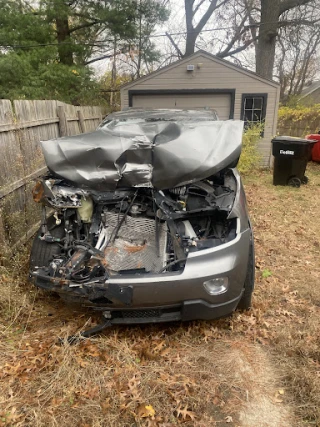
{"points": [[193, 56]]}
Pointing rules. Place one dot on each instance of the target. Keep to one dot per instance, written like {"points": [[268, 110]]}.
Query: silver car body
{"points": [[149, 157]]}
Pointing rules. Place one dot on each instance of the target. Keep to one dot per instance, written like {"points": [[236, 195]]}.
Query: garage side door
{"points": [[219, 102]]}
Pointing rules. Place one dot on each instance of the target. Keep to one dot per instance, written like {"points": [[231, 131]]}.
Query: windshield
{"points": [[133, 117]]}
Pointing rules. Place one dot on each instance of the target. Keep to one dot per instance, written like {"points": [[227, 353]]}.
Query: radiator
{"points": [[135, 245]]}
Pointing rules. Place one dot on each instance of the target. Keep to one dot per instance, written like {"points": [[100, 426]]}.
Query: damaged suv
{"points": [[145, 218]]}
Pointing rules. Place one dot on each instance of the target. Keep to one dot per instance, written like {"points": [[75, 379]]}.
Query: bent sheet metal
{"points": [[165, 152]]}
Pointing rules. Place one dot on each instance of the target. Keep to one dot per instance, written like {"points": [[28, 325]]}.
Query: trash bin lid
{"points": [[292, 140], [313, 136]]}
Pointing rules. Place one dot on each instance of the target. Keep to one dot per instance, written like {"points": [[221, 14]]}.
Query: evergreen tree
{"points": [[47, 45]]}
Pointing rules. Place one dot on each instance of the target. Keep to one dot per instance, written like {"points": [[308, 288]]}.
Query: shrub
{"points": [[250, 157], [299, 121]]}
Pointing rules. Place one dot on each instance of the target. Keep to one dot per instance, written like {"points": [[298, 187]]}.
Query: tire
{"points": [[42, 252], [245, 302], [305, 180], [294, 182]]}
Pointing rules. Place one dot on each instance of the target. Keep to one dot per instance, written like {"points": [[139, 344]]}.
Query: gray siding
{"points": [[212, 73]]}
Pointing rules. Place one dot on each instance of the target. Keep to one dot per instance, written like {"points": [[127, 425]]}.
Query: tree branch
{"points": [[253, 24], [213, 6], [306, 61], [298, 22], [180, 54], [86, 25], [239, 49], [236, 35], [197, 7], [109, 55], [290, 4]]}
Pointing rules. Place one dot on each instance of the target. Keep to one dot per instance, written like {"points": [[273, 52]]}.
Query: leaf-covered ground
{"points": [[260, 368]]}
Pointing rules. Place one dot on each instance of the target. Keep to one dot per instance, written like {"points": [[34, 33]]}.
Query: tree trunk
{"points": [[64, 41], [113, 77], [140, 42], [65, 50], [190, 44], [191, 34], [265, 51]]}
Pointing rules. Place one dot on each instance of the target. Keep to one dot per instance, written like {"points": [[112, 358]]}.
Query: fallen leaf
{"points": [[216, 400], [145, 411], [185, 413]]}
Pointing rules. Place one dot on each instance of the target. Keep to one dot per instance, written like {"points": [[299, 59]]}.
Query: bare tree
{"points": [[296, 58], [254, 23], [271, 19], [191, 10]]}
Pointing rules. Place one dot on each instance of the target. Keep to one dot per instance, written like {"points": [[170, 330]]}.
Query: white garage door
{"points": [[219, 102]]}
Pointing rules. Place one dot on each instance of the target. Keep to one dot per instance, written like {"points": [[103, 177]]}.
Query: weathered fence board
{"points": [[10, 152], [4, 191], [30, 137], [23, 124], [299, 128]]}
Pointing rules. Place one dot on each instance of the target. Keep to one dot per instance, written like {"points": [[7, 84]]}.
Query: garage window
{"points": [[253, 108]]}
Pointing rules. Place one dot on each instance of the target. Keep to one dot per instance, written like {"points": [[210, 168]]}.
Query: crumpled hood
{"points": [[162, 154]]}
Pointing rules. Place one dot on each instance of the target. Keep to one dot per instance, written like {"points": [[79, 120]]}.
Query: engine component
{"points": [[56, 217], [188, 230], [135, 246], [86, 209], [103, 239], [64, 197], [137, 209], [180, 191]]}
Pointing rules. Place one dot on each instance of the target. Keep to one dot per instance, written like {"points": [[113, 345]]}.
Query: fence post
{"points": [[63, 125], [81, 122]]}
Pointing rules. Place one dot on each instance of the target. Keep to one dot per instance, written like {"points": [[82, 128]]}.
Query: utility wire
{"points": [[27, 46], [101, 44]]}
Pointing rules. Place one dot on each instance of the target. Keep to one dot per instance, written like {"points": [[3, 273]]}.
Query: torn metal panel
{"points": [[162, 149]]}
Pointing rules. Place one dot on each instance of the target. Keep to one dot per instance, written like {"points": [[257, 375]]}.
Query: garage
{"points": [[204, 81]]}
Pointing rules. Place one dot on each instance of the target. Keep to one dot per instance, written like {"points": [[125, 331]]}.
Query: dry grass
{"points": [[288, 302], [247, 370]]}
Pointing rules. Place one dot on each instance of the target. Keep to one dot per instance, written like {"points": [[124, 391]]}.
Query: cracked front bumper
{"points": [[168, 296]]}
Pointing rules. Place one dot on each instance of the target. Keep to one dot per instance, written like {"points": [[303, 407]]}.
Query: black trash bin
{"points": [[291, 156]]}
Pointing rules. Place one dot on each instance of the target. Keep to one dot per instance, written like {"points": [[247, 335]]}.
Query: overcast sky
{"points": [[207, 40]]}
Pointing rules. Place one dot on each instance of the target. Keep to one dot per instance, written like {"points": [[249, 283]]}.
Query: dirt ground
{"points": [[254, 369]]}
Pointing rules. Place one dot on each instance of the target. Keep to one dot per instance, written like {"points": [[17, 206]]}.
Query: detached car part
{"points": [[150, 222]]}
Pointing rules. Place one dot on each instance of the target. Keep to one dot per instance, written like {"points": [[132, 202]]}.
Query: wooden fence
{"points": [[299, 128], [23, 124]]}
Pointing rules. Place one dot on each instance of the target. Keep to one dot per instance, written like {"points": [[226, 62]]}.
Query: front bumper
{"points": [[188, 310], [166, 296]]}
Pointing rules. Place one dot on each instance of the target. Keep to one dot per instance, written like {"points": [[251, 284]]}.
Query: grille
{"points": [[135, 245], [140, 314]]}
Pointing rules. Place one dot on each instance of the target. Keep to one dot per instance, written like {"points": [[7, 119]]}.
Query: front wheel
{"points": [[245, 302]]}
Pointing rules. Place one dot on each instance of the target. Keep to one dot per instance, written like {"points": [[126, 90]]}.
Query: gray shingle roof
{"points": [[309, 89]]}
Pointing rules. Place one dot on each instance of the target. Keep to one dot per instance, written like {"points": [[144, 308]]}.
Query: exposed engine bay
{"points": [[131, 231]]}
